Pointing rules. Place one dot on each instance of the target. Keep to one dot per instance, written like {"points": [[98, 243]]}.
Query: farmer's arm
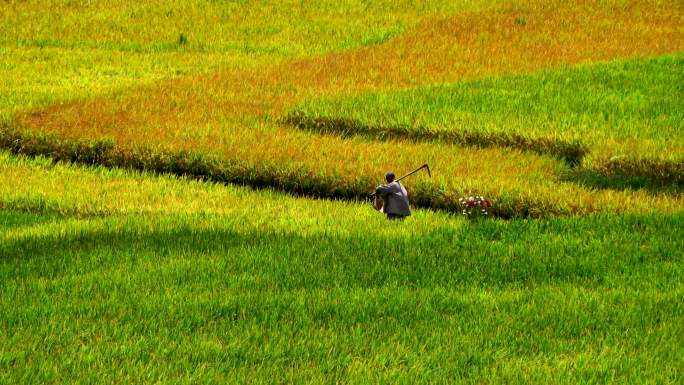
{"points": [[384, 189]]}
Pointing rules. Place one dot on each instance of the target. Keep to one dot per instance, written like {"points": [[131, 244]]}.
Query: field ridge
{"points": [[297, 181], [662, 172], [202, 166], [185, 192], [570, 151]]}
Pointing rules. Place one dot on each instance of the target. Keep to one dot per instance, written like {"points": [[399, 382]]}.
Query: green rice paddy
{"points": [[155, 264]]}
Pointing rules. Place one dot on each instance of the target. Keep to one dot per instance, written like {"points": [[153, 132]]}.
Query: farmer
{"points": [[395, 198]]}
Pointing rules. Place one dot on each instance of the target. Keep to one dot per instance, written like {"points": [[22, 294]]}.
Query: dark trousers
{"points": [[395, 217]]}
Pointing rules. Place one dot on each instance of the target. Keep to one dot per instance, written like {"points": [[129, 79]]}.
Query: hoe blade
{"points": [[428, 170]]}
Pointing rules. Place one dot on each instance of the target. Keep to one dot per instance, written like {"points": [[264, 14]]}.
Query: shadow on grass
{"points": [[295, 180], [490, 253], [571, 153], [596, 180], [15, 219], [656, 176]]}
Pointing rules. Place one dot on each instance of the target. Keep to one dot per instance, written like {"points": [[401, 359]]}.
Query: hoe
{"points": [[423, 166]]}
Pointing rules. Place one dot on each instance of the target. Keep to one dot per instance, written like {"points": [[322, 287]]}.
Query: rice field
{"points": [[184, 192], [234, 115], [594, 115], [623, 107], [149, 285]]}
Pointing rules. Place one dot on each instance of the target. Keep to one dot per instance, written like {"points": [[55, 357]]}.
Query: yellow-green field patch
{"points": [[131, 250]]}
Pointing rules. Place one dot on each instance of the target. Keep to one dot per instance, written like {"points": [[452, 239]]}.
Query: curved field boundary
{"points": [[195, 164], [466, 45], [659, 171], [173, 125], [571, 152], [294, 180], [620, 119]]}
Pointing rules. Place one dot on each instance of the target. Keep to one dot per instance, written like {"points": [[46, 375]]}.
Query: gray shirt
{"points": [[396, 199]]}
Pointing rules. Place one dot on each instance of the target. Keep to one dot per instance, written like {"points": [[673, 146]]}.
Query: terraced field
{"points": [[613, 114], [183, 192]]}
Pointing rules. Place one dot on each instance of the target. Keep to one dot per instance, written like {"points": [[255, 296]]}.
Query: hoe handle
{"points": [[424, 165]]}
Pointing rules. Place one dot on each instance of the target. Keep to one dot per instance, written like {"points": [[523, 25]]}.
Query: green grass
{"points": [[536, 193], [38, 186], [630, 109], [56, 51], [35, 77], [110, 275], [202, 300], [214, 120], [121, 277], [289, 28]]}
